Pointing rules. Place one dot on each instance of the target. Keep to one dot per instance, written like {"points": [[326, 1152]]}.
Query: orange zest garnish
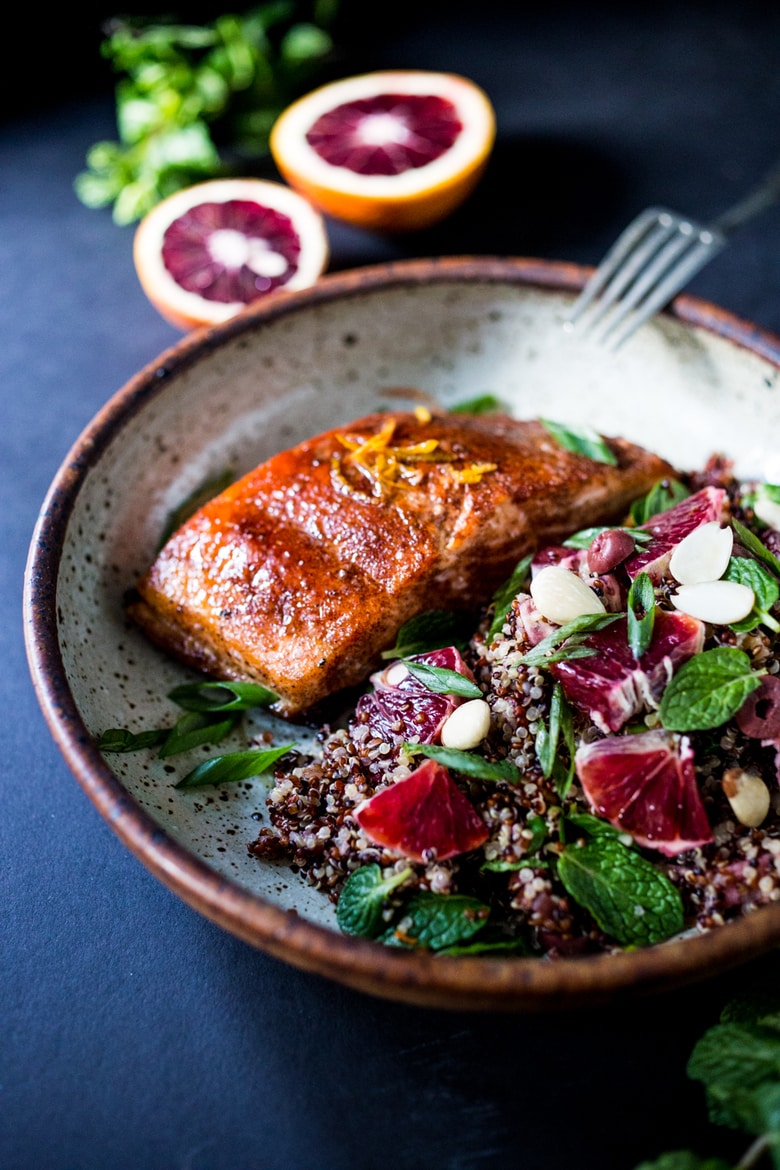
{"points": [[473, 473], [387, 467]]}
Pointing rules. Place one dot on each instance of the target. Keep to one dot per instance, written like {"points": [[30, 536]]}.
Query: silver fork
{"points": [[653, 259]]}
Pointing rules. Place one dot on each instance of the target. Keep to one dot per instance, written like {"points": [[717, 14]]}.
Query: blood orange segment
{"points": [[209, 250], [425, 817], [610, 685], [646, 786], [389, 151], [670, 527], [401, 707]]}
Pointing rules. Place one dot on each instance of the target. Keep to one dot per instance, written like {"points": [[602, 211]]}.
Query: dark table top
{"points": [[136, 1034]]}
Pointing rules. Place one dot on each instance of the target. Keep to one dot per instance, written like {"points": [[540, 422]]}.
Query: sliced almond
{"points": [[748, 796], [702, 555], [561, 596], [717, 602], [467, 726]]}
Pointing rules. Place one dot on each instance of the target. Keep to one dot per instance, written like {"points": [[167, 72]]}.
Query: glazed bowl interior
{"points": [[690, 384]]}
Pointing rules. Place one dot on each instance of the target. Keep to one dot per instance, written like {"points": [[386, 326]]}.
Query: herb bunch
{"points": [[198, 101], [738, 1063]]}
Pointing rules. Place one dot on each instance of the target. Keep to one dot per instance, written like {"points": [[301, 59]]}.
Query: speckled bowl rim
{"points": [[470, 983]]}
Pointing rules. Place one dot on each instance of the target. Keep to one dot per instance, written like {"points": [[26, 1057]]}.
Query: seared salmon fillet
{"points": [[301, 572]]}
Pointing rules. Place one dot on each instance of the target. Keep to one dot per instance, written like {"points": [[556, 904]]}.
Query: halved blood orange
{"points": [[388, 151], [208, 250]]}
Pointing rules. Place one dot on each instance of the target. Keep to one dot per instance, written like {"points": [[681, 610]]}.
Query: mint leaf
{"points": [[566, 641], [708, 690], [733, 1061], [504, 596], [434, 921], [234, 766], [430, 631], [583, 441], [629, 898], [758, 1005], [443, 681], [661, 497], [746, 571], [469, 763], [759, 550], [221, 696], [593, 826], [363, 899], [641, 614]]}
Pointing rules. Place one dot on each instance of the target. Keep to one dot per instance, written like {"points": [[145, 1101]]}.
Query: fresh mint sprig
{"points": [[363, 899], [629, 898], [766, 590], [435, 922], [737, 1061], [708, 690], [418, 921], [198, 101], [751, 542]]}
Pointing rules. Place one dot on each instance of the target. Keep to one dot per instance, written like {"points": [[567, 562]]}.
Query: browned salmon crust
{"points": [[299, 574]]}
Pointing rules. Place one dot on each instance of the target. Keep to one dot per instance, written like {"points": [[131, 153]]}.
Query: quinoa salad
{"points": [[588, 764]]}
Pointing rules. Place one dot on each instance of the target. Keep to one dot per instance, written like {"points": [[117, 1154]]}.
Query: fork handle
{"points": [[765, 195]]}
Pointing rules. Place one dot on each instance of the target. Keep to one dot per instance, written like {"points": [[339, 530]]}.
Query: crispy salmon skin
{"points": [[301, 572]]}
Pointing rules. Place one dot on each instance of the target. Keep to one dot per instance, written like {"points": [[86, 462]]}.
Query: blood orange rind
{"points": [[252, 233], [419, 194]]}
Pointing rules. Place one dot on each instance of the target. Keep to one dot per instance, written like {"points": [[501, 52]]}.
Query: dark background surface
{"points": [[133, 1033]]}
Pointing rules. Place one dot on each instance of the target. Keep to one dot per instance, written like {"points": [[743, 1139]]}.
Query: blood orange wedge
{"points": [[205, 252], [425, 817], [670, 527], [646, 785], [401, 707], [388, 151]]}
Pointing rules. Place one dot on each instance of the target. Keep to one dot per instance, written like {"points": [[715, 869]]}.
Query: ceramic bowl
{"points": [[693, 381]]}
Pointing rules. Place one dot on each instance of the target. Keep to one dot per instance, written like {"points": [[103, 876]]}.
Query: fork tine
{"points": [[682, 238], [622, 247], [708, 245], [630, 269]]}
